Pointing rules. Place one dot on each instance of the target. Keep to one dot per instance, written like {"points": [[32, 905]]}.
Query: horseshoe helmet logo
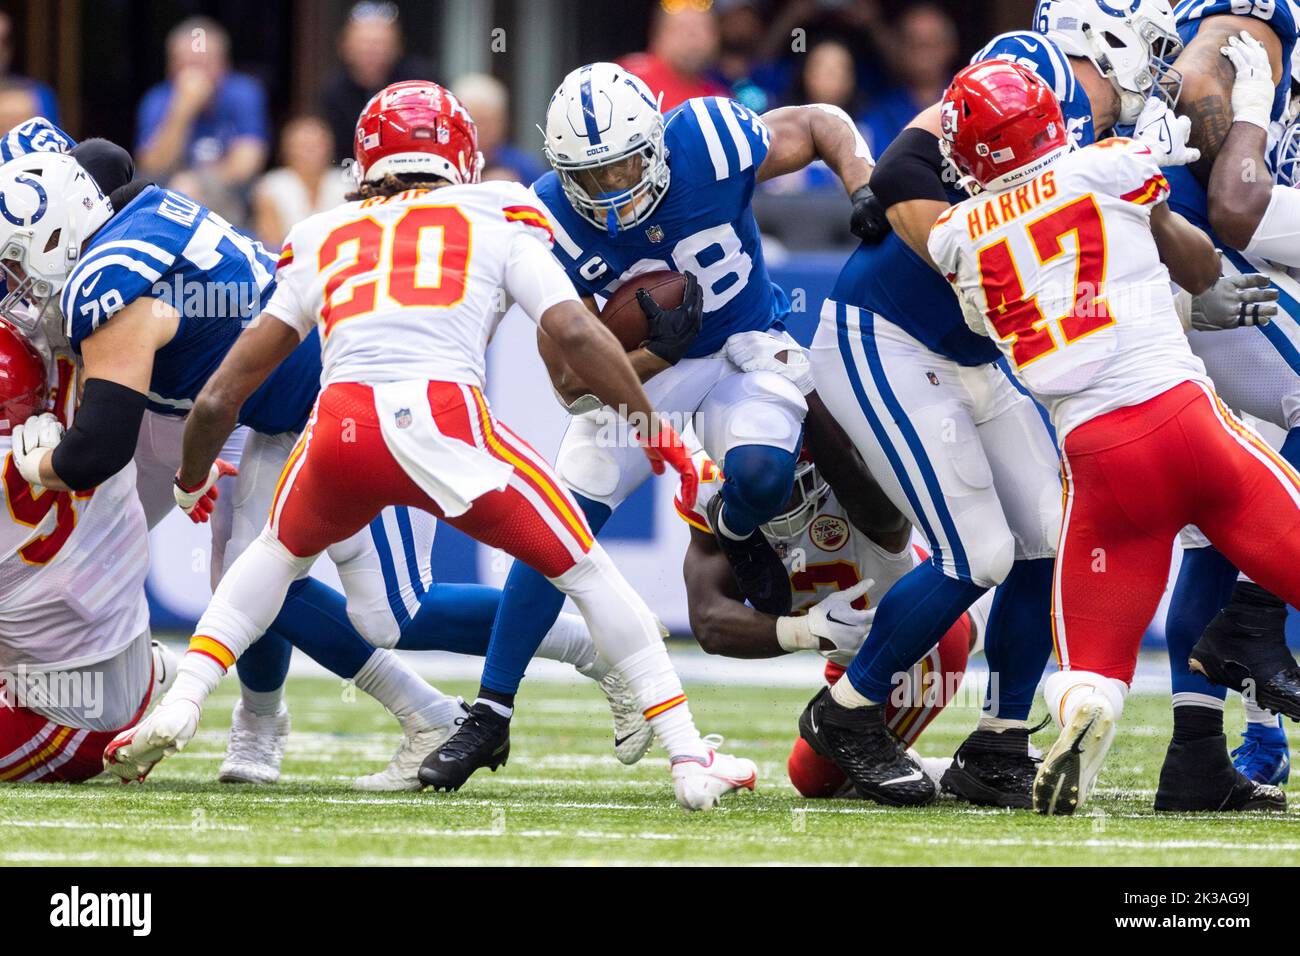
{"points": [[42, 203]]}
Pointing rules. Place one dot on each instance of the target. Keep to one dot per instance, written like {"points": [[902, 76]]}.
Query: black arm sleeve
{"points": [[911, 168], [102, 438], [109, 164]]}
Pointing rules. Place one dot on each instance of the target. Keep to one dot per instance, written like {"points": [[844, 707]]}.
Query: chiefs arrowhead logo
{"points": [[829, 532], [948, 120]]}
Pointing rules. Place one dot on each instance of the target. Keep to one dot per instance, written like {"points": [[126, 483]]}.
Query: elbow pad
{"points": [[1277, 237], [102, 438], [911, 168]]}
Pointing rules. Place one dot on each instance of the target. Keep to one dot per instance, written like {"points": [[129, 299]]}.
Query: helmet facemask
{"points": [[619, 191], [1155, 76], [809, 494]]}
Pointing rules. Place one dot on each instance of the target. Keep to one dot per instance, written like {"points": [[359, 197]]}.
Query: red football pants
{"points": [[341, 474], [938, 676], [1133, 478]]}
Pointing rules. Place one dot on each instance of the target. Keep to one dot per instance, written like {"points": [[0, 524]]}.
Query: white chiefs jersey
{"points": [[412, 286], [1063, 273], [72, 565], [829, 556]]}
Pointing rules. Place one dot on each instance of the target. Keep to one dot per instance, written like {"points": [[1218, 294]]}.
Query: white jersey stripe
{"points": [[711, 140], [38, 740], [66, 752], [571, 248], [733, 127]]}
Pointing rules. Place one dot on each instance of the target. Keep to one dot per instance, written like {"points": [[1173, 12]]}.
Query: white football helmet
{"points": [[809, 494], [1133, 43], [605, 139], [49, 207]]}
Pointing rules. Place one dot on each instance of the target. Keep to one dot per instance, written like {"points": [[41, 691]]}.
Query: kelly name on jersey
{"points": [[704, 224]]}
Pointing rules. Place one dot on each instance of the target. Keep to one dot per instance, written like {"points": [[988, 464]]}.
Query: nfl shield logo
{"points": [[403, 417], [655, 234]]}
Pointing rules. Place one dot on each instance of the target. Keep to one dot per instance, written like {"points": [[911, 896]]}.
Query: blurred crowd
{"points": [[206, 128]]}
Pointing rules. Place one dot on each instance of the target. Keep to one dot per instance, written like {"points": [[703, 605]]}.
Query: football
{"points": [[622, 313]]}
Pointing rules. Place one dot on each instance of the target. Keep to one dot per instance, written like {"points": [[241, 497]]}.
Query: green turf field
{"points": [[564, 799]]}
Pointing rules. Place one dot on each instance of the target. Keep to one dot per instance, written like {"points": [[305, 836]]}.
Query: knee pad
{"points": [[374, 621], [990, 557], [754, 408], [591, 471], [759, 478]]}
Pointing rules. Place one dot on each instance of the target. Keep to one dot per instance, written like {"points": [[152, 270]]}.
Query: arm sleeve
{"points": [[102, 439], [1277, 238], [289, 301], [534, 279], [911, 168]]}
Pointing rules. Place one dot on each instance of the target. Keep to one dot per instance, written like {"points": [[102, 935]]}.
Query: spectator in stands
{"points": [[18, 102], [923, 55], [744, 60], [683, 51], [370, 58], [204, 128], [488, 102], [306, 184], [46, 104]]}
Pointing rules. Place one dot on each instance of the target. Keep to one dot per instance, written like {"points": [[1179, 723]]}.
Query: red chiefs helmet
{"points": [[417, 127], [1001, 124], [24, 382]]}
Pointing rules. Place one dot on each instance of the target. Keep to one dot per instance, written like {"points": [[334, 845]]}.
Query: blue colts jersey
{"points": [[704, 224], [165, 246], [36, 135], [894, 282], [1188, 195]]}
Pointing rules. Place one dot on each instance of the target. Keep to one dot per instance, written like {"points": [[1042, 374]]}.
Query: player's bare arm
{"points": [[1207, 87], [255, 355], [1192, 260], [867, 506], [568, 384], [117, 365], [802, 134], [720, 619]]}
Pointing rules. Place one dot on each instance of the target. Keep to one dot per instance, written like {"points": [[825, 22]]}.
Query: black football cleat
{"points": [[993, 769], [858, 742], [758, 569], [482, 740], [1198, 776], [1244, 649]]}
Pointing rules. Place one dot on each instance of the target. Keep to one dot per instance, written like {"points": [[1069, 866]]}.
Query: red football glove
{"points": [[198, 502], [667, 447]]}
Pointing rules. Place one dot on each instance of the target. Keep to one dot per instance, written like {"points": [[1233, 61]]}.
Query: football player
{"points": [[388, 563], [633, 191], [841, 558], [1146, 445], [402, 420], [76, 660], [957, 447]]}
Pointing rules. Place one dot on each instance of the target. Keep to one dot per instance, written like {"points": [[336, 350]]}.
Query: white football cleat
{"points": [[632, 733], [1070, 768], [699, 785], [135, 751], [165, 669], [403, 771], [255, 747]]}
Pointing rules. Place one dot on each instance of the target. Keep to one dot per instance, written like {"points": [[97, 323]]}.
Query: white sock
{"points": [[1256, 714], [500, 709], [846, 695], [404, 693], [568, 641], [1193, 699], [262, 703], [650, 674], [999, 724], [1066, 691]]}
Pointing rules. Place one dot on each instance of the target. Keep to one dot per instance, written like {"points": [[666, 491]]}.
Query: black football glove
{"points": [[673, 330], [869, 222]]}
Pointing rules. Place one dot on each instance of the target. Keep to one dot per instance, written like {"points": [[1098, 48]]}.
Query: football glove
{"points": [[135, 751], [1235, 301], [667, 448], [198, 502], [868, 222], [34, 441], [832, 626], [673, 330], [1165, 133], [1253, 90], [761, 351]]}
